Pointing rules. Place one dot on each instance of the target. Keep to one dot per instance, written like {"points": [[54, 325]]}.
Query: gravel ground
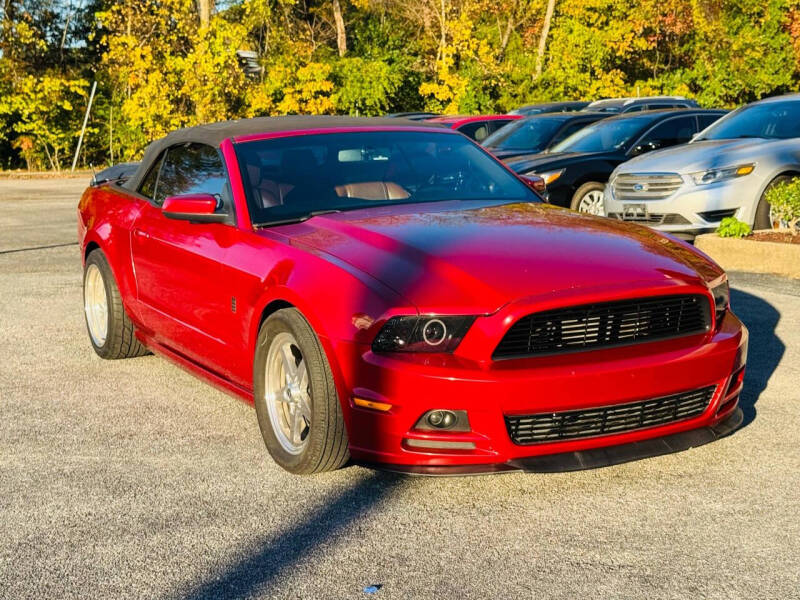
{"points": [[132, 479]]}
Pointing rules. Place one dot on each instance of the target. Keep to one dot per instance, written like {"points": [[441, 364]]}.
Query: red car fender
{"points": [[284, 295], [111, 233]]}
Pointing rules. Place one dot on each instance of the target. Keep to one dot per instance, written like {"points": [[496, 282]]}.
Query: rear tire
{"points": [[589, 199], [111, 331], [296, 402], [763, 219]]}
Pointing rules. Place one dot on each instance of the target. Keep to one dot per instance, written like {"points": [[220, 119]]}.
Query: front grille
{"points": [[603, 325], [607, 420], [651, 218], [646, 186]]}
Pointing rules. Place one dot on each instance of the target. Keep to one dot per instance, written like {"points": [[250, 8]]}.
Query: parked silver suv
{"points": [[724, 171]]}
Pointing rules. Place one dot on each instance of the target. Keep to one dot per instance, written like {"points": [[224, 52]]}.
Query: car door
{"points": [[178, 263]]}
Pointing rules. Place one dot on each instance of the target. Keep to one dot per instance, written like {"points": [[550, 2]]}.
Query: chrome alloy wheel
{"points": [[288, 393], [95, 305], [592, 203]]}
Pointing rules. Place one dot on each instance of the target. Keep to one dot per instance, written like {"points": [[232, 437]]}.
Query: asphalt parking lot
{"points": [[133, 479]]}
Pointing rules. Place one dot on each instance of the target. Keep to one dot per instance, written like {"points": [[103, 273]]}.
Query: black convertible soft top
{"points": [[214, 134]]}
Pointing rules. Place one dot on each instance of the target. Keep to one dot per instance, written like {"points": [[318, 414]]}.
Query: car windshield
{"points": [[294, 177], [526, 110], [779, 120], [603, 136], [525, 134]]}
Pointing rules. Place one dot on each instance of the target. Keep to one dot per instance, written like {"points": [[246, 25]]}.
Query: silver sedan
{"points": [[725, 171]]}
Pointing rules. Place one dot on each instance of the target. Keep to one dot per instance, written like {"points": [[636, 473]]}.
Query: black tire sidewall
{"points": [[323, 393], [583, 190]]}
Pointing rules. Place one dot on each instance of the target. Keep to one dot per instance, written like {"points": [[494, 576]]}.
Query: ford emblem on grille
{"points": [[640, 187]]}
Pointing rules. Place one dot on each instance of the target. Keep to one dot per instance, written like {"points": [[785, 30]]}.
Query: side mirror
{"points": [[196, 208]]}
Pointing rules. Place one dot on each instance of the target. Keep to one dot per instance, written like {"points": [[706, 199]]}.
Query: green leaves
{"points": [[733, 227]]}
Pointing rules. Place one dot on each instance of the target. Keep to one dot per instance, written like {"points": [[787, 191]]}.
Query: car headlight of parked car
{"points": [[550, 176], [721, 292], [422, 333], [714, 175]]}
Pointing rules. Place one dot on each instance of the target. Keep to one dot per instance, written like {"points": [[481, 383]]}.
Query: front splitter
{"points": [[584, 459]]}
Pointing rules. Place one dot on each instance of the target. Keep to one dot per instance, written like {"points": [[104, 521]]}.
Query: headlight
{"points": [[713, 175], [722, 296], [550, 176], [424, 333]]}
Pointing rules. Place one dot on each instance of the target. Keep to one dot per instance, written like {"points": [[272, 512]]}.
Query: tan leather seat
{"points": [[372, 190], [268, 193]]}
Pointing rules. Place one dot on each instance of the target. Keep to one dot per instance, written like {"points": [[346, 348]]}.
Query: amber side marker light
{"points": [[364, 403], [745, 170]]}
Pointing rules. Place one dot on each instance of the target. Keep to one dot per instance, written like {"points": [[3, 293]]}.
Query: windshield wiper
{"points": [[299, 218]]}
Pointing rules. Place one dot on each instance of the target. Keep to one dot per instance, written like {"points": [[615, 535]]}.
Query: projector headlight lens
{"points": [[423, 333]]}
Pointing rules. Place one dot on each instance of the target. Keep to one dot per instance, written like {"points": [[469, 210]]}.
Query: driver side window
{"points": [[191, 168]]}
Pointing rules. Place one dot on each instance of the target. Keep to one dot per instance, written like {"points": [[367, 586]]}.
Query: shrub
{"points": [[784, 200], [733, 227]]}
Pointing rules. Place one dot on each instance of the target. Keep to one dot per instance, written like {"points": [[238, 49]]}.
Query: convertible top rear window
{"points": [[292, 177]]}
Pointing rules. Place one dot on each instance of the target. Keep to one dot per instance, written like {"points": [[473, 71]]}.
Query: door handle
{"points": [[141, 234]]}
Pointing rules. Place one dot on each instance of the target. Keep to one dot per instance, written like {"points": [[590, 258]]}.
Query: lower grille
{"points": [[652, 218], [608, 420]]}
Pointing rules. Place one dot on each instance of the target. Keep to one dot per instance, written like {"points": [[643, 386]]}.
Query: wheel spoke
{"points": [[296, 427], [304, 404], [302, 376], [289, 364]]}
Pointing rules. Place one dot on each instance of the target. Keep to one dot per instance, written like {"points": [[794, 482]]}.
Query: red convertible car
{"points": [[392, 294]]}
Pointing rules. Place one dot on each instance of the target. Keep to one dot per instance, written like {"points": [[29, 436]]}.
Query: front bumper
{"points": [[690, 201], [415, 384], [587, 459]]}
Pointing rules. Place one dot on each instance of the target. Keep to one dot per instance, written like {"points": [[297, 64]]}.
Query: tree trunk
{"points": [[204, 8], [548, 17], [505, 37], [341, 33]]}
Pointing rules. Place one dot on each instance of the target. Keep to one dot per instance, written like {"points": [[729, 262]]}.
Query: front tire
{"points": [[296, 402], [590, 199], [111, 331]]}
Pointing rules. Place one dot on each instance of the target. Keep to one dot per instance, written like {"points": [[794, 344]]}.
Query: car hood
{"points": [[477, 256], [702, 155], [551, 160]]}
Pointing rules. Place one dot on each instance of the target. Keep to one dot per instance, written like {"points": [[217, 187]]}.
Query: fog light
{"points": [[443, 419]]}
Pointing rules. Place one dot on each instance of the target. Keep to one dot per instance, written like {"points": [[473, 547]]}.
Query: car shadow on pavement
{"points": [[264, 564], [765, 349]]}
